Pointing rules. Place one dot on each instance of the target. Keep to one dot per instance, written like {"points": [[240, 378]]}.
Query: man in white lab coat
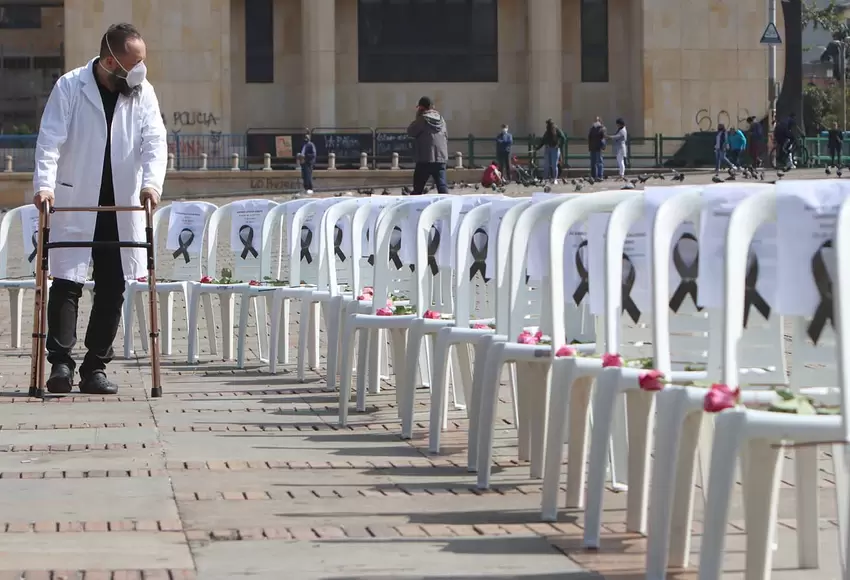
{"points": [[102, 142]]}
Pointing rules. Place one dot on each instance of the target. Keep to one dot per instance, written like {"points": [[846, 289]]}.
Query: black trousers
{"points": [[63, 306], [504, 161], [307, 175], [835, 155], [436, 171]]}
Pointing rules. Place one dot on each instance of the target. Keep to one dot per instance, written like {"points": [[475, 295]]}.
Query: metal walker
{"points": [[43, 247]]}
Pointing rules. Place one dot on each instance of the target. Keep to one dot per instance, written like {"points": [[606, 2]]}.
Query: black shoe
{"points": [[61, 379], [97, 384]]}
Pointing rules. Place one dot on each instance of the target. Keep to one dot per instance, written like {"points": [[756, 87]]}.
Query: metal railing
{"points": [[283, 146]]}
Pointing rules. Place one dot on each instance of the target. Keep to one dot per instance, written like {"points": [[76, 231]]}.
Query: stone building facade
{"points": [[666, 66]]}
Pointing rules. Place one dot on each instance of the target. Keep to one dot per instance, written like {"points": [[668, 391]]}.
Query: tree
{"points": [[830, 17]]}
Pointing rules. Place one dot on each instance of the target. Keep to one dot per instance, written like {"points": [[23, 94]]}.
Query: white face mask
{"points": [[136, 75]]}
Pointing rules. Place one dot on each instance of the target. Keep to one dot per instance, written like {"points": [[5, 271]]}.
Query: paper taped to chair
{"points": [[29, 229], [498, 209], [537, 264], [184, 238], [246, 228], [761, 280], [635, 274], [806, 215]]}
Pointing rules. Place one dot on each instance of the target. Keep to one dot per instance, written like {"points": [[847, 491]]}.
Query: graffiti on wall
{"points": [[707, 120], [194, 121], [271, 183]]}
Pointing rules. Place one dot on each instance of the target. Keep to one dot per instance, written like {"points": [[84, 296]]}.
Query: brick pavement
{"points": [[236, 473]]}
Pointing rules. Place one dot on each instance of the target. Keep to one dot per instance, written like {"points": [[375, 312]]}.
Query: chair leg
{"points": [[728, 437], [285, 332], [842, 501], [244, 307], [128, 308], [558, 412], [523, 427], [313, 336], [16, 305], [377, 346], [398, 345], [348, 334], [333, 314], [806, 489], [406, 381], [363, 343], [640, 407], [578, 428], [141, 305], [439, 386], [539, 394], [166, 315], [275, 331], [227, 304], [487, 414], [193, 342], [303, 339], [479, 370], [209, 316], [464, 364], [605, 402], [261, 309], [764, 471]]}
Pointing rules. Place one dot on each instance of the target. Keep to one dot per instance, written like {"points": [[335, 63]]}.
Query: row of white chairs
{"points": [[549, 283]]}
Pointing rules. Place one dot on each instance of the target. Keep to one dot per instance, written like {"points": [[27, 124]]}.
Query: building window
{"points": [[428, 41], [594, 41], [259, 41], [20, 16]]}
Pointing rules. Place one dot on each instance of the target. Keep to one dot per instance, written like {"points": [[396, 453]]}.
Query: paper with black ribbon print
{"points": [[306, 238], [395, 247], [583, 288], [338, 243], [34, 253], [185, 239], [246, 236], [629, 276], [688, 272], [433, 248], [498, 209], [635, 266], [537, 263], [752, 297], [823, 281], [479, 246]]}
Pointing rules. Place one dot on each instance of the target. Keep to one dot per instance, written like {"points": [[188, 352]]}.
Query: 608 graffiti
{"points": [[705, 121]]}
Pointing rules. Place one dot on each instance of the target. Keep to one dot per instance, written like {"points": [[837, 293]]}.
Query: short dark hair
{"points": [[116, 38]]}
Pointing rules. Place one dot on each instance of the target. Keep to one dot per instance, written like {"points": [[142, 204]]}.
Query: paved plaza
{"points": [[238, 473]]}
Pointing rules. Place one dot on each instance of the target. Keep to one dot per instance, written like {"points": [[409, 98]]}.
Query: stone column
{"points": [[318, 30], [545, 55]]}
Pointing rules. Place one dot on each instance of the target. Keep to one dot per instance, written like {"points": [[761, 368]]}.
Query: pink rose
{"points": [[207, 280], [368, 291], [720, 397], [384, 312], [651, 380], [361, 297], [430, 314], [255, 283], [565, 351], [538, 335], [526, 337], [480, 326], [389, 302], [611, 360], [142, 279]]}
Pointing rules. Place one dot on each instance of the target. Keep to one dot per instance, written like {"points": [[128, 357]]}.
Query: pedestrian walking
{"points": [[504, 144], [755, 141], [596, 145], [836, 143], [553, 140], [620, 145], [102, 143], [721, 145], [737, 145], [430, 147], [308, 163]]}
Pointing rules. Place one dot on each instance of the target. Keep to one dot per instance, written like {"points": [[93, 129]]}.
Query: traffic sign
{"points": [[771, 35]]}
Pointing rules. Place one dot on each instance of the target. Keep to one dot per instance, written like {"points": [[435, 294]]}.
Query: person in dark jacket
{"points": [[554, 140], [430, 147], [596, 145], [835, 143], [308, 162], [504, 143], [755, 140]]}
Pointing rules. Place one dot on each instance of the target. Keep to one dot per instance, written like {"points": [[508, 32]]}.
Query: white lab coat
{"points": [[69, 162]]}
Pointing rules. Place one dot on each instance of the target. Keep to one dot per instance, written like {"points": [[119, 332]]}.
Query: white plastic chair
{"points": [[500, 219], [759, 436], [225, 292], [180, 280], [394, 217], [15, 286]]}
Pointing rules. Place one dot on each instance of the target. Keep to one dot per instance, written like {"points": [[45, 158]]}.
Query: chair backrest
{"points": [[184, 224], [842, 314], [395, 227], [275, 258], [503, 219], [432, 233], [27, 216], [306, 244], [247, 219]]}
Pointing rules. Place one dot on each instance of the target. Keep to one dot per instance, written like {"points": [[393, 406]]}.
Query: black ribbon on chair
{"points": [[306, 239], [246, 236], [687, 275], [479, 254], [184, 240], [583, 286], [629, 276], [371, 258], [395, 247], [823, 282], [751, 295], [338, 243], [433, 246], [32, 255]]}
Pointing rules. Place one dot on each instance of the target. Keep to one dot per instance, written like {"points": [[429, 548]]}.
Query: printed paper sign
{"points": [[498, 209], [246, 233], [283, 146], [807, 212], [184, 239], [760, 285]]}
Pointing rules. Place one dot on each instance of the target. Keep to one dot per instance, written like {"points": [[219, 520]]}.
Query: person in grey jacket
{"points": [[430, 147], [620, 140]]}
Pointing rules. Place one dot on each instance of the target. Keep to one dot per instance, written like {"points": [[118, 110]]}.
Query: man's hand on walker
{"points": [[43, 196], [150, 194]]}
